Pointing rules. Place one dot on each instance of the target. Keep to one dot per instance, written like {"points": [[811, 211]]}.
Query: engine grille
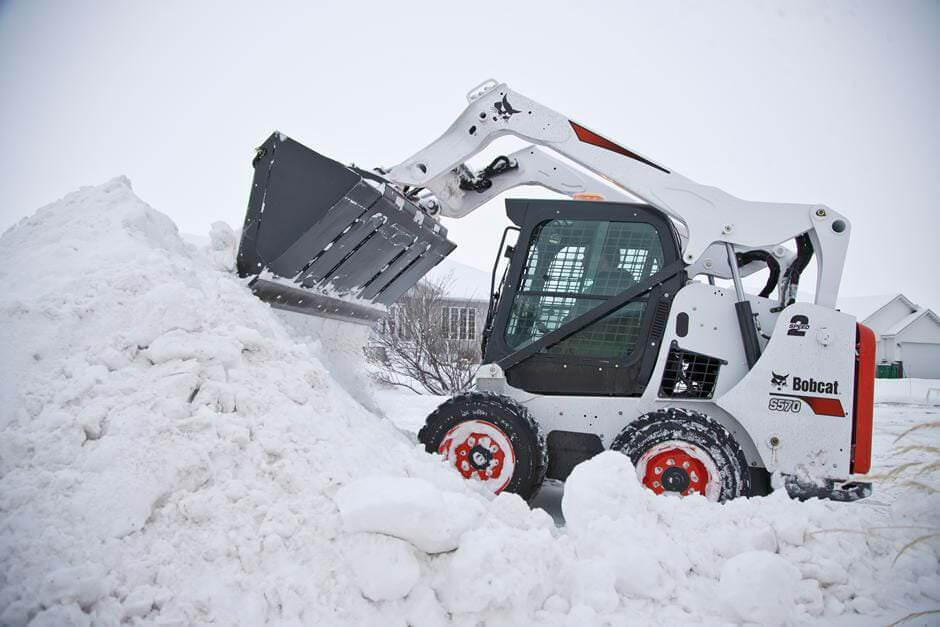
{"points": [[689, 375]]}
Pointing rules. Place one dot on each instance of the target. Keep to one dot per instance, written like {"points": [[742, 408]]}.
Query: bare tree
{"points": [[414, 348]]}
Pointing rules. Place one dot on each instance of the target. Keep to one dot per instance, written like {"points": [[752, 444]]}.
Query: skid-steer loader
{"points": [[606, 329]]}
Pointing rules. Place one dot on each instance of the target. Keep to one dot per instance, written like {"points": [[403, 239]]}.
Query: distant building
{"points": [[463, 307], [468, 297], [908, 335]]}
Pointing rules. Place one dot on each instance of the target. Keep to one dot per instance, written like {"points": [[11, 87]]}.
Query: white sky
{"points": [[829, 102]]}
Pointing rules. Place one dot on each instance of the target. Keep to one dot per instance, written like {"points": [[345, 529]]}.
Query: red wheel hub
{"points": [[675, 470], [480, 450]]}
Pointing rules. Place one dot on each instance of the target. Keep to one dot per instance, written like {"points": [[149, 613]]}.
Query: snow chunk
{"points": [[169, 450], [760, 587], [223, 246], [385, 568], [411, 509], [605, 486], [501, 567]]}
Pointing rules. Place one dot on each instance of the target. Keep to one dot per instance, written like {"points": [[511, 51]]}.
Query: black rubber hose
{"points": [[804, 252], [772, 265]]}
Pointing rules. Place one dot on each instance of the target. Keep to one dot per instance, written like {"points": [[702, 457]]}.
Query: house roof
{"points": [[462, 282], [907, 321], [863, 307]]}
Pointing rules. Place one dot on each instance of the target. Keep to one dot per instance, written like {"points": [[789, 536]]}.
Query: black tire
{"points": [[513, 419], [694, 428]]}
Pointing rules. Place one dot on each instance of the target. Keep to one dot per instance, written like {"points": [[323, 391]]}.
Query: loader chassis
{"points": [[607, 329], [677, 345], [794, 441]]}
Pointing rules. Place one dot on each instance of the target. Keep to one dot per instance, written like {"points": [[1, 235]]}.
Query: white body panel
{"points": [[806, 441]]}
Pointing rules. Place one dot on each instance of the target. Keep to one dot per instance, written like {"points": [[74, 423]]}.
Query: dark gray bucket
{"points": [[326, 240]]}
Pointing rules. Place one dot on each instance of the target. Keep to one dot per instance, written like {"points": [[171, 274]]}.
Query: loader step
{"points": [[327, 240]]}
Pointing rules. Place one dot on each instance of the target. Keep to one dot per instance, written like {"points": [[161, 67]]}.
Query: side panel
{"points": [[797, 401], [709, 327]]}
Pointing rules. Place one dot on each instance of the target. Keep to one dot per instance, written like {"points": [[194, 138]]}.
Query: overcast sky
{"points": [[815, 102]]}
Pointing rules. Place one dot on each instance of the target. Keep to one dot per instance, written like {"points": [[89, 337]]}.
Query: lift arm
{"points": [[712, 217]]}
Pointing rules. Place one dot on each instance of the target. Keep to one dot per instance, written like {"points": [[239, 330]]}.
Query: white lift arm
{"points": [[711, 216]]}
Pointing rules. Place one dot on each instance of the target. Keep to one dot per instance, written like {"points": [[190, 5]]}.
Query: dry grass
{"points": [[918, 485], [908, 475], [895, 472], [916, 475], [923, 425], [913, 543], [916, 448], [914, 615]]}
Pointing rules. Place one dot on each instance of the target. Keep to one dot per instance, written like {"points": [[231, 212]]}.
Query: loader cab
{"points": [[570, 258]]}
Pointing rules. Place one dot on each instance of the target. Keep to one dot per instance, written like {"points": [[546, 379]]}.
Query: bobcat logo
{"points": [[504, 109], [780, 380]]}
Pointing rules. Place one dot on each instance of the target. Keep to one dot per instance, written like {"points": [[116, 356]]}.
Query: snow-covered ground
{"points": [[172, 452]]}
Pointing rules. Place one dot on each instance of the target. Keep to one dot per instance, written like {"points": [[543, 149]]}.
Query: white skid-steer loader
{"points": [[606, 329]]}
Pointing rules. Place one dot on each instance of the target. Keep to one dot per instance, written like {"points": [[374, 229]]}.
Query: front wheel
{"points": [[488, 438], [678, 451]]}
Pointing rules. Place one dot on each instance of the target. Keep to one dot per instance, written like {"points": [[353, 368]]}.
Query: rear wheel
{"points": [[681, 452], [488, 438]]}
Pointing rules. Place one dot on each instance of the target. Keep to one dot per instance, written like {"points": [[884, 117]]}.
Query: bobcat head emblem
{"points": [[780, 380], [504, 109]]}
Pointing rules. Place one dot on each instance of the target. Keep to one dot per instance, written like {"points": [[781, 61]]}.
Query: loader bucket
{"points": [[331, 241]]}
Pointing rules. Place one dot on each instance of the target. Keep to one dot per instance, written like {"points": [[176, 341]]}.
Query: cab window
{"points": [[573, 266]]}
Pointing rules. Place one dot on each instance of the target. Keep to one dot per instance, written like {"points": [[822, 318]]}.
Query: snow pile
{"points": [[170, 453], [167, 450]]}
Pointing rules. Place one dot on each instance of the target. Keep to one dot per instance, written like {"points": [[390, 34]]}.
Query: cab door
{"points": [[571, 258]]}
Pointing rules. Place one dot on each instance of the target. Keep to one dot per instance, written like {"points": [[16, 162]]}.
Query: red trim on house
{"points": [[590, 137], [863, 412]]}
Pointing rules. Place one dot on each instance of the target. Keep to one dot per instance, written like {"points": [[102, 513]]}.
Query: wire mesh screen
{"points": [[591, 257], [689, 375], [571, 267]]}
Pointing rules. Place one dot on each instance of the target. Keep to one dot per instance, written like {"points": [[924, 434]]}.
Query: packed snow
{"points": [[172, 451]]}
